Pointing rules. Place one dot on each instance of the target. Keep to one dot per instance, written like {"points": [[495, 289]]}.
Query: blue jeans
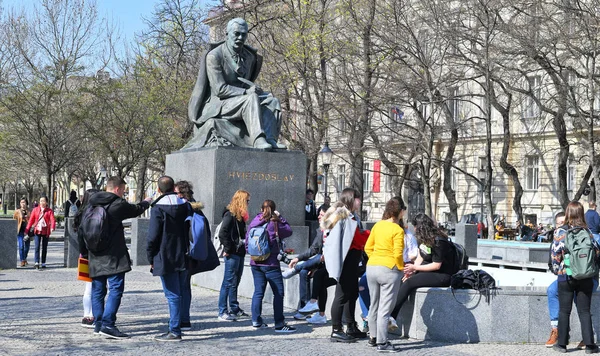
{"points": [[597, 238], [261, 276], [553, 305], [44, 245], [364, 299], [186, 299], [107, 314], [23, 247], [234, 267], [304, 268], [173, 286]]}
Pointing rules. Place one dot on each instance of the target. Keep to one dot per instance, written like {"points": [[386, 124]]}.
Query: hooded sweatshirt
{"points": [[168, 235]]}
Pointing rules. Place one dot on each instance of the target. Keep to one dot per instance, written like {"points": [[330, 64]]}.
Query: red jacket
{"points": [[48, 218], [360, 239]]}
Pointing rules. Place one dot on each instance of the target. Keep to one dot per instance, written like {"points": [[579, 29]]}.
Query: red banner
{"points": [[376, 176]]}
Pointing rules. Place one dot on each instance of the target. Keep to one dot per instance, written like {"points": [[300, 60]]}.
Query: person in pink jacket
{"points": [[42, 222]]}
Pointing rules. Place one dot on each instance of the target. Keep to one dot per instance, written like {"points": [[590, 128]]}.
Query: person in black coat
{"points": [[111, 264], [168, 244]]}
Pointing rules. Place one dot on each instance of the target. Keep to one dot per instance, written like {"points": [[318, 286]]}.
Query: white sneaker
{"points": [[289, 273], [317, 319], [299, 316], [310, 307], [392, 325]]}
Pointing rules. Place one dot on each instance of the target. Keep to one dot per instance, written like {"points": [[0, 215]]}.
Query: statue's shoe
{"points": [[261, 143], [277, 145]]}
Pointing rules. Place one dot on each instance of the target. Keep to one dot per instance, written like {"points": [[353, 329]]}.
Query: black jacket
{"points": [[232, 237], [168, 234], [115, 259], [315, 248]]}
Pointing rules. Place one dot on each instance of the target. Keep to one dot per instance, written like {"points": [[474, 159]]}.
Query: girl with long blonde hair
{"points": [[232, 234]]}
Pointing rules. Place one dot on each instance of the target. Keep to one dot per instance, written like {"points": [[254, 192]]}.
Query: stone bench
{"points": [[514, 314]]}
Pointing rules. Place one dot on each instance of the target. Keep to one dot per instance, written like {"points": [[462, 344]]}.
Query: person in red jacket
{"points": [[42, 222]]}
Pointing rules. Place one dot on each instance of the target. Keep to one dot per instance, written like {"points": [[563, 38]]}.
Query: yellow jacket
{"points": [[385, 245]]}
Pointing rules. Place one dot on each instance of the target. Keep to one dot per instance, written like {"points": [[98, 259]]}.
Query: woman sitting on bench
{"points": [[434, 264]]}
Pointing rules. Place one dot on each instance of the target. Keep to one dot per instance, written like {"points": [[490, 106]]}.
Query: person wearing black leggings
{"points": [[434, 264], [581, 288], [346, 291]]}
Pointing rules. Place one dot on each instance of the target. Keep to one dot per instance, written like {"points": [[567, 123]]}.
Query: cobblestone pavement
{"points": [[40, 313]]}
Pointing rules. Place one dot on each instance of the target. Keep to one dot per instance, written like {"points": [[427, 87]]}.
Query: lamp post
{"points": [[326, 154]]}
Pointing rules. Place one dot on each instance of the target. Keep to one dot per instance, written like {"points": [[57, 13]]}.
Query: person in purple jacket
{"points": [[269, 270]]}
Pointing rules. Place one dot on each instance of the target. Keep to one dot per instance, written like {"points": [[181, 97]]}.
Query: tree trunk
{"points": [[447, 167], [563, 157], [141, 181], [312, 173]]}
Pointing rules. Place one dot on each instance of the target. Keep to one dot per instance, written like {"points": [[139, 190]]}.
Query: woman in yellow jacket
{"points": [[384, 271]]}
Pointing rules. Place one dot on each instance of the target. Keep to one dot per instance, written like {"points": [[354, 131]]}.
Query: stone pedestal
{"points": [[139, 236], [217, 172], [8, 244], [72, 245], [466, 235]]}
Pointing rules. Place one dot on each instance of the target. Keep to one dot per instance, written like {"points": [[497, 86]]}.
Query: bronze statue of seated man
{"points": [[226, 106]]}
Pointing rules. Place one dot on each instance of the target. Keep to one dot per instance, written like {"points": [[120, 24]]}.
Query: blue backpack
{"points": [[258, 243], [199, 233]]}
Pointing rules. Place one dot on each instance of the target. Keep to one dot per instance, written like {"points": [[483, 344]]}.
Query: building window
{"points": [[453, 174], [341, 177], [532, 170], [342, 125], [366, 178], [453, 103], [571, 174], [530, 107], [424, 110], [396, 116]]}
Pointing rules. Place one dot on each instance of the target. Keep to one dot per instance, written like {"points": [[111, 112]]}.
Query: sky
{"points": [[126, 13]]}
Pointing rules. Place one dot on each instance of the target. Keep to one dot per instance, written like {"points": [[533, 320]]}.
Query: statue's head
{"points": [[237, 32]]}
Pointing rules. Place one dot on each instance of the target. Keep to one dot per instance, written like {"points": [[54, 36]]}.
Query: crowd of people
{"points": [[379, 268]]}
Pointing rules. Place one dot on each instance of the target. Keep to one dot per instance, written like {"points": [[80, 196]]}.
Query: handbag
{"points": [[83, 270]]}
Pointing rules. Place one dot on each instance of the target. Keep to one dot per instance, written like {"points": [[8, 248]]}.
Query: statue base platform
{"points": [[217, 172]]}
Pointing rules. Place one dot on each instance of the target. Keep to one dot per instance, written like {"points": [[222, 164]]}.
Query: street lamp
{"points": [[326, 154]]}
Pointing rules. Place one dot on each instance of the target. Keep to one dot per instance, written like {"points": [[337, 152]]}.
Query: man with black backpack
{"points": [[103, 233], [168, 242]]}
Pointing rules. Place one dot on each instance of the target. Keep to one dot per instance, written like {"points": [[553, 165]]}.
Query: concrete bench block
{"points": [[71, 244], [8, 244], [139, 236]]}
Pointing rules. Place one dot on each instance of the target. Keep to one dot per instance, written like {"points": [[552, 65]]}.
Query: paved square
{"points": [[41, 311]]}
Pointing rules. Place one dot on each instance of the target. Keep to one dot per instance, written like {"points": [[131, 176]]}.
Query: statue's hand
{"points": [[254, 89]]}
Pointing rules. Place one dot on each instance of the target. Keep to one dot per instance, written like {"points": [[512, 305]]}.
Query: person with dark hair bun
{"points": [[434, 265]]}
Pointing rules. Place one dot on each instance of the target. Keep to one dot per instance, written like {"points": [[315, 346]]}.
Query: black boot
{"points": [[354, 331], [372, 342], [338, 335]]}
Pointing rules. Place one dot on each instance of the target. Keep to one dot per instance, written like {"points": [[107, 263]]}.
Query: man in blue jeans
{"points": [[109, 265], [168, 243]]}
